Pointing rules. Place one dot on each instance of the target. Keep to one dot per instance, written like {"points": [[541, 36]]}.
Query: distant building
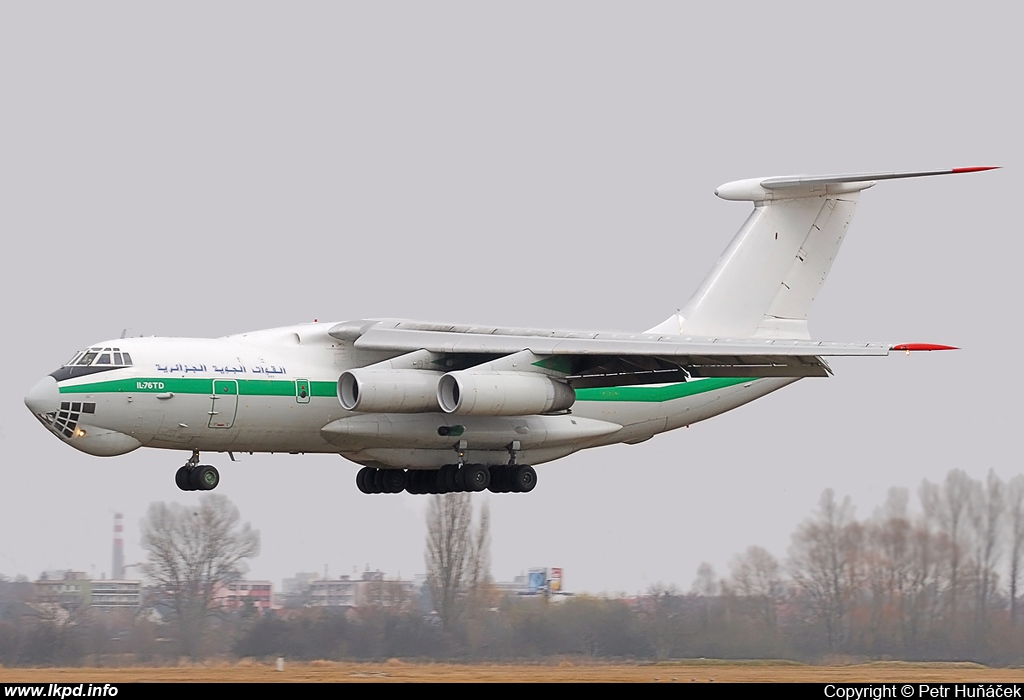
{"points": [[333, 593], [71, 589], [239, 594], [298, 583], [371, 589], [114, 594], [538, 581]]}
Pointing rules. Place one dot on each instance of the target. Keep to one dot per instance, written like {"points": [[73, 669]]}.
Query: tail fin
{"points": [[765, 281]]}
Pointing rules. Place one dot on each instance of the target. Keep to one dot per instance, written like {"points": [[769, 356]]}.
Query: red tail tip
{"points": [[914, 347]]}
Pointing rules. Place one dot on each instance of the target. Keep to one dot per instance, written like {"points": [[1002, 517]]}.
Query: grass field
{"points": [[395, 671]]}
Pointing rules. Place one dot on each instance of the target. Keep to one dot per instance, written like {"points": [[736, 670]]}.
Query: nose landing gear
{"points": [[193, 476]]}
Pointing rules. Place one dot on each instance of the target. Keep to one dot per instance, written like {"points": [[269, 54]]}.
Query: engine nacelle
{"points": [[388, 390], [469, 393]]}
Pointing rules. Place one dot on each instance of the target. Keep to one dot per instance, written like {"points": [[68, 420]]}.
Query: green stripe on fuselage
{"points": [[195, 385], [659, 393], [282, 387]]}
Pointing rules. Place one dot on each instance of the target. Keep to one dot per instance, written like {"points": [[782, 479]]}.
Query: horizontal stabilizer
{"points": [[773, 183], [918, 347], [760, 189]]}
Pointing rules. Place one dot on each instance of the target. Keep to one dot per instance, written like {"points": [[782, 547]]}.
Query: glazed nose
{"points": [[44, 396]]}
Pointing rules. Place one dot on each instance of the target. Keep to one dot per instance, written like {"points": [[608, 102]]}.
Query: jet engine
{"points": [[469, 393], [388, 390]]}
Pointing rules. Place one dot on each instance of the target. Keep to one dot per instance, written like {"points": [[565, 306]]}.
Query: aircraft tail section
{"points": [[764, 283]]}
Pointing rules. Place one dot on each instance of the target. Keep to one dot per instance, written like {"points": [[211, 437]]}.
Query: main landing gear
{"points": [[193, 476], [451, 478]]}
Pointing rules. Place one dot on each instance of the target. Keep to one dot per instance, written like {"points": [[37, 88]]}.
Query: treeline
{"points": [[940, 582]]}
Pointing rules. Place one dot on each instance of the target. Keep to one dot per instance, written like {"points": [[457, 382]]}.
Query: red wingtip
{"points": [[914, 347], [975, 170]]}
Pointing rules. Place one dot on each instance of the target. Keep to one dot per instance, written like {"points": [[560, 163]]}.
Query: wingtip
{"points": [[918, 347], [976, 169]]}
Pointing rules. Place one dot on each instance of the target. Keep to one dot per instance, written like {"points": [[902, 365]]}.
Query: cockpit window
{"points": [[97, 356], [87, 358]]}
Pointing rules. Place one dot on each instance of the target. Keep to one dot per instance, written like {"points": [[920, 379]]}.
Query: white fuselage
{"points": [[276, 391]]}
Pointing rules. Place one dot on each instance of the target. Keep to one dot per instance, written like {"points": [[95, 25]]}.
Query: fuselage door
{"points": [[224, 403], [302, 390]]}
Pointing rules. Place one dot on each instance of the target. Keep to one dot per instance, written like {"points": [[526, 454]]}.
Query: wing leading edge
{"points": [[613, 359]]}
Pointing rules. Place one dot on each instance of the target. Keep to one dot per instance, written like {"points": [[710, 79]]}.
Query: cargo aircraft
{"points": [[439, 407]]}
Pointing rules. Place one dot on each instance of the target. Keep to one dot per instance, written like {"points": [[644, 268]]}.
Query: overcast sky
{"points": [[201, 169]]}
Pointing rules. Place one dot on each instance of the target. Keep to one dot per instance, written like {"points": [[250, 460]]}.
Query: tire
{"points": [[364, 479], [494, 486], [378, 480], [447, 482], [524, 478], [477, 477], [181, 479], [205, 477], [394, 480], [412, 481]]}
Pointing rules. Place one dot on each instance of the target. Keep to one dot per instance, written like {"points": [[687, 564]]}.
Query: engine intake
{"points": [[388, 391], [469, 393]]}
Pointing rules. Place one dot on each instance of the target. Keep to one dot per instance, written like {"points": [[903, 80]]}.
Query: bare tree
{"points": [[946, 506], [706, 586], [192, 551], [480, 563], [449, 554], [824, 559], [986, 512], [480, 583], [1015, 514], [757, 575]]}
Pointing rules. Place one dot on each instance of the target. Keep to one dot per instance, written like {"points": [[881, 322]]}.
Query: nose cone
{"points": [[43, 397]]}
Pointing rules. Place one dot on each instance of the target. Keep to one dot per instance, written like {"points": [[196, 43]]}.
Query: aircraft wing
{"points": [[586, 359]]}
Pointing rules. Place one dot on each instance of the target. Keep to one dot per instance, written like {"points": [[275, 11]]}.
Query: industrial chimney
{"points": [[117, 570]]}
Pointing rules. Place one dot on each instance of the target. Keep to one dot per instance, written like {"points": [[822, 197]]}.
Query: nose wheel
{"points": [[193, 476]]}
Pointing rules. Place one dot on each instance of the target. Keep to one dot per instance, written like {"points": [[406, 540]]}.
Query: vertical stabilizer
{"points": [[764, 283]]}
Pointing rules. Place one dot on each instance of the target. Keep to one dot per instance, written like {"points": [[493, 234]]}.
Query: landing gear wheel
{"points": [[181, 479], [447, 478], [205, 478], [524, 478], [364, 479], [394, 480], [476, 477], [494, 485]]}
